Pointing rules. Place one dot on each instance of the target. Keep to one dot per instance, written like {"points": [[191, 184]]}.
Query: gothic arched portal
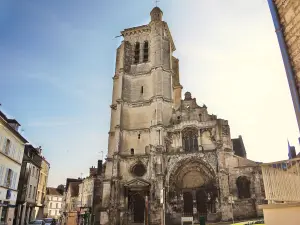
{"points": [[194, 182]]}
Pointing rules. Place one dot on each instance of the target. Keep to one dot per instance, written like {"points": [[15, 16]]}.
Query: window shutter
{"points": [[12, 150], [5, 178], [11, 178], [19, 155], [1, 140], [1, 174], [13, 184], [3, 146]]}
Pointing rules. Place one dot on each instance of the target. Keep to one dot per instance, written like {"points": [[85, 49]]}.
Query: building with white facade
{"points": [[11, 155], [54, 202], [40, 209]]}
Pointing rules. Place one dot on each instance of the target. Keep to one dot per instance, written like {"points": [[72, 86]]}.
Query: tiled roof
{"points": [[53, 191]]}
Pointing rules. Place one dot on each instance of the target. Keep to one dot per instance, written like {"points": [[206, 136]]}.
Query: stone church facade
{"points": [[166, 153]]}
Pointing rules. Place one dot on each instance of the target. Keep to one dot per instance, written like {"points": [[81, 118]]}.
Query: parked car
{"points": [[36, 222], [48, 221]]}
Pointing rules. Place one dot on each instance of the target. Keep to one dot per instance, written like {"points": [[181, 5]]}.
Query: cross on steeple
{"points": [[156, 2]]}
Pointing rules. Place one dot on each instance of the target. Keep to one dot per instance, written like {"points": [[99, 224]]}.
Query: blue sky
{"points": [[57, 62]]}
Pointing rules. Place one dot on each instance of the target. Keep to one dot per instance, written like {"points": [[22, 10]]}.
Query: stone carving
{"points": [[137, 183], [187, 96], [113, 106], [225, 130]]}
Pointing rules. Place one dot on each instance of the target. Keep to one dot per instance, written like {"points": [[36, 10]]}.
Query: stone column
{"points": [[199, 139], [180, 140]]}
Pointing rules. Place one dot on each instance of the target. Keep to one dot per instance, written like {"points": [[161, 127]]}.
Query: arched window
{"points": [[137, 53], [190, 140], [243, 186], [146, 51]]}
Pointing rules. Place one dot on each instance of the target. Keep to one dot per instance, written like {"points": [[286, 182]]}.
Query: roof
{"points": [[74, 188], [71, 180], [6, 123], [13, 121], [53, 191], [239, 147]]}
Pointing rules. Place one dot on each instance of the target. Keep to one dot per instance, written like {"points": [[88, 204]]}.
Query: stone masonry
{"points": [[165, 149]]}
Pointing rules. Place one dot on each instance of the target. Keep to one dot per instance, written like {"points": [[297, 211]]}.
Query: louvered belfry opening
{"points": [[137, 53]]}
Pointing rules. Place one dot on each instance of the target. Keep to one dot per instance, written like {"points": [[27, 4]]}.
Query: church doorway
{"points": [[136, 207], [187, 203], [201, 199], [193, 189]]}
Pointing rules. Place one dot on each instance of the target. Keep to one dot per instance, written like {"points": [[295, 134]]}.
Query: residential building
{"points": [[90, 190], [71, 202], [11, 155], [28, 183], [166, 152], [54, 202], [41, 190]]}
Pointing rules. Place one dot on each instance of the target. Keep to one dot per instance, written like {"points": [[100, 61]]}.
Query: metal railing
{"points": [[282, 180]]}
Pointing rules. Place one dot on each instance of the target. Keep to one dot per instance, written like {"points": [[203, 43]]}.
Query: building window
{"points": [[139, 136], [7, 146], [132, 151], [243, 186], [33, 194], [146, 51], [4, 213], [49, 212], [139, 169], [9, 177], [57, 205], [142, 90], [190, 139], [50, 204], [137, 53], [200, 117], [29, 193]]}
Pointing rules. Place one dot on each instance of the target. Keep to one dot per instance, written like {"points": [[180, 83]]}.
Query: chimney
{"points": [[99, 169], [93, 171]]}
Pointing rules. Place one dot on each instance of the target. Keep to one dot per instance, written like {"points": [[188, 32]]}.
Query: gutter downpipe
{"points": [[286, 60]]}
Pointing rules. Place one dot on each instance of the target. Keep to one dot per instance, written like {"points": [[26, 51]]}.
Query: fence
{"points": [[282, 180]]}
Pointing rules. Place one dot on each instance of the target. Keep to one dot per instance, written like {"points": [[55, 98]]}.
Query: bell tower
{"points": [[146, 89]]}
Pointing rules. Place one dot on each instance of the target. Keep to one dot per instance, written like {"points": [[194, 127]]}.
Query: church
{"points": [[168, 157]]}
